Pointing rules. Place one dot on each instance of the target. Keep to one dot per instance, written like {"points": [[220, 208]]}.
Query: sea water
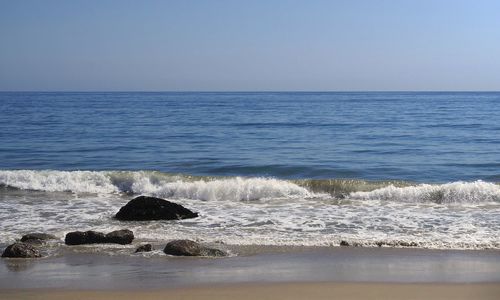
{"points": [[372, 169]]}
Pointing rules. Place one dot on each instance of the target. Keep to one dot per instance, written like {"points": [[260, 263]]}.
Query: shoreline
{"points": [[289, 290], [94, 271]]}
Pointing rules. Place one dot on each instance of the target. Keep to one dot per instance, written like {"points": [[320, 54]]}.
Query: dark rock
{"points": [[190, 248], [352, 244], [23, 250], [122, 237], [87, 237], [407, 244], [145, 208], [144, 248], [37, 238], [397, 244]]}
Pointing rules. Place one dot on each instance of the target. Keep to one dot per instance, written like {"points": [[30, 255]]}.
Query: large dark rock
{"points": [[145, 208], [190, 248], [87, 237], [122, 237], [144, 248], [37, 238], [22, 250]]}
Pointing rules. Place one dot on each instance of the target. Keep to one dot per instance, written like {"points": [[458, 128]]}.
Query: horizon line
{"points": [[249, 91]]}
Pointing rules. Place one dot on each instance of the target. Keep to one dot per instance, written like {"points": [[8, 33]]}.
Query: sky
{"points": [[270, 45]]}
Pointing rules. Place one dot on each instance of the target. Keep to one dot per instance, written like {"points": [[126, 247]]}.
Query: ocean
{"points": [[396, 169]]}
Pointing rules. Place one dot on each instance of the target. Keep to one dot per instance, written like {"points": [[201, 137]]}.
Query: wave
{"points": [[210, 188], [153, 183], [242, 189], [58, 181], [449, 193], [342, 188]]}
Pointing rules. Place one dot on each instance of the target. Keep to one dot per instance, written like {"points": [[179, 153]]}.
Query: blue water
{"points": [[394, 169], [422, 137]]}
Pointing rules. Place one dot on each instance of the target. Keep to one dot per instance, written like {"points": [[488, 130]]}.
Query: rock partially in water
{"points": [[84, 237], [190, 248], [121, 237], [144, 248], [145, 208], [344, 243], [408, 244], [21, 250], [37, 238], [396, 244]]}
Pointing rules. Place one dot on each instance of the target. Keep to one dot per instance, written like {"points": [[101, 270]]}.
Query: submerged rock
{"points": [[122, 237], [190, 248], [37, 238], [21, 250], [144, 248], [145, 208]]}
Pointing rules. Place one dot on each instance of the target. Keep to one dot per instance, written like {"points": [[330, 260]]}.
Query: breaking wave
{"points": [[59, 181], [449, 193], [153, 183], [245, 189]]}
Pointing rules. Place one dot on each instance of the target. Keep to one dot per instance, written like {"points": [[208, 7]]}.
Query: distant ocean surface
{"points": [[290, 168]]}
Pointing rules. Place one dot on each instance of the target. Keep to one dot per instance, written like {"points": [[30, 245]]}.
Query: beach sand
{"points": [[258, 273], [289, 291]]}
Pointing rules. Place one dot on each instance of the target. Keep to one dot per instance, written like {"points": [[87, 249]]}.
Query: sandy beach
{"points": [[279, 291], [258, 273]]}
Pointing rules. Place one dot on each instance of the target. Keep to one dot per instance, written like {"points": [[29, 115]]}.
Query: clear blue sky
{"points": [[250, 45]]}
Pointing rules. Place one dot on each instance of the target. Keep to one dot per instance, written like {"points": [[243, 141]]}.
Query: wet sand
{"points": [[289, 291], [257, 273]]}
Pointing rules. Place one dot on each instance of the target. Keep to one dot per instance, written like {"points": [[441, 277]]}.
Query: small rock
{"points": [[87, 237], [145, 208], [190, 248], [122, 237], [408, 244], [22, 250], [37, 238], [344, 243], [144, 248]]}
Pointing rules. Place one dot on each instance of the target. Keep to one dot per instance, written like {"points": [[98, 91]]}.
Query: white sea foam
{"points": [[449, 193], [389, 216], [245, 189], [153, 183], [234, 188], [58, 181], [305, 223]]}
